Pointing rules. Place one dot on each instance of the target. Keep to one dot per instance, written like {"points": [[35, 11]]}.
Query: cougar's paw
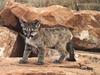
{"points": [[40, 63], [56, 62], [71, 59], [22, 61]]}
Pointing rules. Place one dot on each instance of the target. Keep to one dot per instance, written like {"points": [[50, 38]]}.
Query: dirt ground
{"points": [[86, 64]]}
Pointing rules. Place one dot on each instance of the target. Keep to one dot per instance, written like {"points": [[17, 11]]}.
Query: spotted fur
{"points": [[41, 38]]}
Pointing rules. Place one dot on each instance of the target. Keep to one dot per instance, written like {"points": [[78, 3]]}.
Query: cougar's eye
{"points": [[32, 29], [38, 25], [24, 28]]}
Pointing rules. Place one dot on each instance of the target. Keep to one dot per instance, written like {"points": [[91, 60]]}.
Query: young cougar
{"points": [[40, 38]]}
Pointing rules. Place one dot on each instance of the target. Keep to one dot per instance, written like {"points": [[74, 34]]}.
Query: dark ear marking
{"points": [[36, 21], [36, 24], [21, 21]]}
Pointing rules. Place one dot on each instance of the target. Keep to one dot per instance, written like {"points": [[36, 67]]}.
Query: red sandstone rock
{"points": [[8, 17], [50, 16], [86, 29]]}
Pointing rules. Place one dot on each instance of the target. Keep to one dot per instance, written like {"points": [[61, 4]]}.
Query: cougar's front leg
{"points": [[26, 54], [41, 56]]}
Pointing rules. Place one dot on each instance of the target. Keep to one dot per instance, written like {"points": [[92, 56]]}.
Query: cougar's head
{"points": [[30, 29]]}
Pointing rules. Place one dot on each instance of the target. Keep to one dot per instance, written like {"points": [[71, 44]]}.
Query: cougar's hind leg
{"points": [[41, 56], [61, 58], [27, 51], [62, 52], [70, 49]]}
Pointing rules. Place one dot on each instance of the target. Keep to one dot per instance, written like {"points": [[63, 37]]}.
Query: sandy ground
{"points": [[86, 64]]}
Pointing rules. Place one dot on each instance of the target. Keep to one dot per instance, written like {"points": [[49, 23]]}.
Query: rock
{"points": [[86, 29], [7, 41], [8, 18], [51, 15], [55, 15]]}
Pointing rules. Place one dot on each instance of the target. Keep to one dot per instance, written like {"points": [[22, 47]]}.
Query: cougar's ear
{"points": [[22, 23], [38, 25]]}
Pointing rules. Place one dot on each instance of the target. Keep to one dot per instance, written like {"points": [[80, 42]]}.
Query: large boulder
{"points": [[86, 29], [50, 16]]}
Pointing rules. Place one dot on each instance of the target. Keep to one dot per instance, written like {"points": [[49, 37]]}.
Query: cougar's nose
{"points": [[28, 35]]}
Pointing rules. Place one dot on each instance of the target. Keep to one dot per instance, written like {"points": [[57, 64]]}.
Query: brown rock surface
{"points": [[83, 66], [86, 29]]}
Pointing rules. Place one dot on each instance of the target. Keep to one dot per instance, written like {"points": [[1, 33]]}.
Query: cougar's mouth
{"points": [[33, 34]]}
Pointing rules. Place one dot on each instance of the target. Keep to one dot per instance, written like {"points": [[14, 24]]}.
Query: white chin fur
{"points": [[28, 41]]}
